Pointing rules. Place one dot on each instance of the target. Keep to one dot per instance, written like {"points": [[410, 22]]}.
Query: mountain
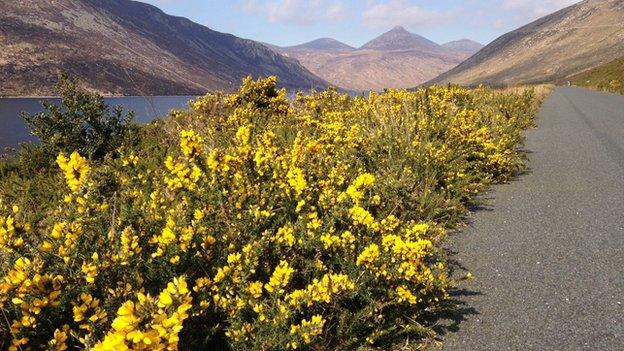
{"points": [[551, 49], [322, 44], [397, 59], [400, 39], [128, 48], [464, 45]]}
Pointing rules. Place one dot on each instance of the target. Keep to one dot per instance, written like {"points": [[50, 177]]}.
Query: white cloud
{"points": [[533, 9], [302, 12], [391, 13]]}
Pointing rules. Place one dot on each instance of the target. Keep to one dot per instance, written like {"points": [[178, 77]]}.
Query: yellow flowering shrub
{"points": [[274, 224], [75, 169]]}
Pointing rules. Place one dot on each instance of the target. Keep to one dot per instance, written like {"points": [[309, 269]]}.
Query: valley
{"points": [[395, 59]]}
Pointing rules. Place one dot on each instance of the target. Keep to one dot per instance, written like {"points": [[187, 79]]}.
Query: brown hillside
{"points": [[127, 47], [577, 38], [395, 59]]}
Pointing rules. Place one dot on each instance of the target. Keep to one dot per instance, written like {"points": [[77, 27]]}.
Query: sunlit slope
{"points": [[129, 48], [395, 59], [606, 77], [577, 38]]}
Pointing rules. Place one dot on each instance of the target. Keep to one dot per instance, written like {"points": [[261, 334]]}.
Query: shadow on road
{"points": [[449, 321], [458, 309]]}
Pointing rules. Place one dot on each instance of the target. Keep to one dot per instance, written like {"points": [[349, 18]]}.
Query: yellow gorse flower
{"points": [[191, 144], [76, 168], [307, 330], [59, 342], [280, 277], [322, 290], [404, 295], [150, 323], [271, 223], [354, 191]]}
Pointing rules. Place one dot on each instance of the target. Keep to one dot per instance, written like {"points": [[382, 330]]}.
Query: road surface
{"points": [[548, 253]]}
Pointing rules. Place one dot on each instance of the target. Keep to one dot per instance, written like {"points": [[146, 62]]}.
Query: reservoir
{"points": [[13, 129]]}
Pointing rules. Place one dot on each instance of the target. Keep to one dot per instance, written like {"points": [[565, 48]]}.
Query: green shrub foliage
{"points": [[83, 122]]}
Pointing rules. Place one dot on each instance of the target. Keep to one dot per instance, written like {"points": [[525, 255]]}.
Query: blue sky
{"points": [[290, 22]]}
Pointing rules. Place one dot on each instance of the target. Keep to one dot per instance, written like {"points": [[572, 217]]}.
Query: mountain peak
{"points": [[399, 38], [399, 29], [465, 40], [322, 44], [397, 59]]}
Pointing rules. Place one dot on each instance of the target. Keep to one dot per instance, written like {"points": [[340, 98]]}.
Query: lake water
{"points": [[13, 129]]}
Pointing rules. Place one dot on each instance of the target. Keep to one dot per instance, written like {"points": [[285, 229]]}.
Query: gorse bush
{"points": [[274, 225], [82, 122], [615, 86]]}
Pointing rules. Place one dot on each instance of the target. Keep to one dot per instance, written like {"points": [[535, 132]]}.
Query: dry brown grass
{"points": [[542, 91]]}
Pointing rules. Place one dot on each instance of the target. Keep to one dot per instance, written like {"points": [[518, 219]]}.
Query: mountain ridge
{"points": [[396, 58], [464, 45], [550, 49], [322, 44], [123, 47]]}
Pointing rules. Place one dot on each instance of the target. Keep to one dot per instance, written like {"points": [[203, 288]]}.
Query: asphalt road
{"points": [[547, 252]]}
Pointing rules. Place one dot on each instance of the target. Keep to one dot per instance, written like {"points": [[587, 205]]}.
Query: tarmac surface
{"points": [[547, 251]]}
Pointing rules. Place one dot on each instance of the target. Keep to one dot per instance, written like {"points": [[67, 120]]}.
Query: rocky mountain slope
{"points": [[551, 49], [400, 39], [397, 59], [128, 48]]}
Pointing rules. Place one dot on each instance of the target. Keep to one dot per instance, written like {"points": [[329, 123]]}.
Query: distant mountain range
{"points": [[464, 45], [400, 39], [397, 58], [124, 47], [322, 44], [552, 49]]}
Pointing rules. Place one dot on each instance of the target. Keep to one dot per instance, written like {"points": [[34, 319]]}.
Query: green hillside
{"points": [[608, 77]]}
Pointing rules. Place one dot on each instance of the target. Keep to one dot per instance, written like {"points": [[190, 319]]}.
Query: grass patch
{"points": [[608, 77]]}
